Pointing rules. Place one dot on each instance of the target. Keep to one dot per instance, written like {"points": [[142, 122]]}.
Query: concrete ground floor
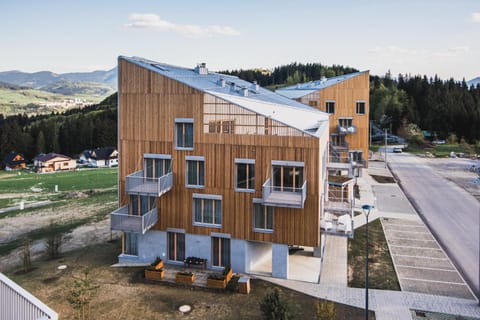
{"points": [[247, 257]]}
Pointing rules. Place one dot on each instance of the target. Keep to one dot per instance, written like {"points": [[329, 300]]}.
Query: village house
{"points": [[103, 157], [52, 162], [219, 168], [14, 161]]}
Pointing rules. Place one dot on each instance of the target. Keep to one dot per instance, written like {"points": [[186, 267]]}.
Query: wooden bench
{"points": [[195, 262]]}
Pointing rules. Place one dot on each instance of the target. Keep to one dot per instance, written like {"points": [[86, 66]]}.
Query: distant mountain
{"points": [[39, 80], [474, 82], [67, 87]]}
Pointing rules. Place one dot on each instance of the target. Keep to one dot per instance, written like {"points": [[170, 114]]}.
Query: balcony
{"points": [[120, 220], [137, 183], [286, 197], [335, 225], [347, 129]]}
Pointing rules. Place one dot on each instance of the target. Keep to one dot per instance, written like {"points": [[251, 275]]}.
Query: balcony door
{"points": [[287, 178], [155, 168]]}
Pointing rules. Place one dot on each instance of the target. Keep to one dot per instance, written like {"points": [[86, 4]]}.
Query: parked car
{"points": [[397, 150]]}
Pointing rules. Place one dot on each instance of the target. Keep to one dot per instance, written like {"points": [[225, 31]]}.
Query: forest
{"points": [[67, 133], [445, 107]]}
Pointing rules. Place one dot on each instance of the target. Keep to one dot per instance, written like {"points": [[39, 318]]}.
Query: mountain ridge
{"points": [[41, 79]]}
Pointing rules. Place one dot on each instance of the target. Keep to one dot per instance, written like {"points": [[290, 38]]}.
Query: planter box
{"points": [[159, 265], [229, 275], [184, 278], [154, 274], [216, 283]]}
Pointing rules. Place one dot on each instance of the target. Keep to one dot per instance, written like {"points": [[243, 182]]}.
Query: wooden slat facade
{"points": [[148, 106], [345, 94]]}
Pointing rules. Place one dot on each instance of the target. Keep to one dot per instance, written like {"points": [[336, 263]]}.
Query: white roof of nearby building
{"points": [[244, 94], [302, 89]]}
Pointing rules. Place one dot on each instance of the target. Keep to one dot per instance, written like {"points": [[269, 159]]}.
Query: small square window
{"points": [[330, 106], [245, 175], [262, 218], [184, 135], [195, 174], [207, 210], [360, 107]]}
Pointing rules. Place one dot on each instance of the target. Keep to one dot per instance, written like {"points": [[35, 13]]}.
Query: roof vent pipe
{"points": [[232, 86], [255, 85], [245, 92], [323, 79], [222, 82]]}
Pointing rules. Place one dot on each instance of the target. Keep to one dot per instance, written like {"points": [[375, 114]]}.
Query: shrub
{"points": [[325, 310], [274, 306]]}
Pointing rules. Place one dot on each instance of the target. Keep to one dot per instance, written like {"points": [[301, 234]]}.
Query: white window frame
{"points": [[364, 107], [257, 201], [183, 121], [243, 161], [213, 197], [196, 159]]}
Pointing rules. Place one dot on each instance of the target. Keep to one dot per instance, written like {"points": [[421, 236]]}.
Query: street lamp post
{"points": [[366, 208]]}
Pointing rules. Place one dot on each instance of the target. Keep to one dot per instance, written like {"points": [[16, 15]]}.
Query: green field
{"points": [[28, 100], [87, 179]]}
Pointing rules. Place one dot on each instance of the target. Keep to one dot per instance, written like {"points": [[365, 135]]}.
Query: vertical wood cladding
{"points": [[148, 106], [346, 94]]}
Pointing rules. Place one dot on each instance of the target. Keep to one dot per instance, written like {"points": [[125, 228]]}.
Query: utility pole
{"points": [[370, 134], [385, 148]]}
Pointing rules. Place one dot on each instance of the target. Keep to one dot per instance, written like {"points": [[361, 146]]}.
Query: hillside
{"points": [[15, 99], [474, 82], [41, 79]]}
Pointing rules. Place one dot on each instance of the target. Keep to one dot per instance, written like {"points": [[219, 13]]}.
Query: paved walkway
{"points": [[388, 305]]}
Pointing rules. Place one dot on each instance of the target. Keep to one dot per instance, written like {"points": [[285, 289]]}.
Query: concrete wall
{"points": [[238, 255], [151, 245], [198, 246], [257, 254], [279, 260]]}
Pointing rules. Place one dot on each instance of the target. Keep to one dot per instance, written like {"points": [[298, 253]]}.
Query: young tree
{"points": [[274, 306], [54, 241], [325, 310], [27, 263], [81, 296]]}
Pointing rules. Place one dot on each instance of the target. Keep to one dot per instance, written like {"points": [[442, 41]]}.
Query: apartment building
{"points": [[216, 167]]}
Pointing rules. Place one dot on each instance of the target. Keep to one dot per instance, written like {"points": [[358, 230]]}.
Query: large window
{"points": [[330, 106], [360, 106], [287, 176], [131, 244], [184, 133], [176, 246], [157, 165], [245, 175], [312, 103], [220, 252], [195, 174], [207, 210], [262, 217], [139, 205]]}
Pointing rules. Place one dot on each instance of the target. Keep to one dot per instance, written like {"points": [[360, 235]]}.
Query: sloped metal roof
{"points": [[302, 89], [244, 94]]}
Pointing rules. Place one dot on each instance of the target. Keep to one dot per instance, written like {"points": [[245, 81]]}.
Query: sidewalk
{"points": [[388, 305]]}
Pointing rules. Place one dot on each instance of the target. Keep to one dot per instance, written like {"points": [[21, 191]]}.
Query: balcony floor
{"points": [[284, 199]]}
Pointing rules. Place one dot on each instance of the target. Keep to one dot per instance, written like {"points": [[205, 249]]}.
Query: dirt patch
{"points": [[382, 179], [124, 294]]}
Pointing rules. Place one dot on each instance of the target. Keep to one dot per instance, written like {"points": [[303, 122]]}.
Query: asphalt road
{"points": [[451, 213]]}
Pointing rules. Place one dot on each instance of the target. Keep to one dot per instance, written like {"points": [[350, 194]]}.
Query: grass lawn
{"points": [[381, 273], [440, 150], [87, 179], [124, 294]]}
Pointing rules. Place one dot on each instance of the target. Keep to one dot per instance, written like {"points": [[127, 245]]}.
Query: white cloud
{"points": [[153, 21], [452, 52], [475, 17]]}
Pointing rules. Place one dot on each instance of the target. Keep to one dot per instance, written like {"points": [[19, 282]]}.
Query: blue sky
{"points": [[409, 36]]}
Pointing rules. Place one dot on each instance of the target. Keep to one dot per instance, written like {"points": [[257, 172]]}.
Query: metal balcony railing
{"points": [[121, 220], [279, 196], [138, 183]]}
